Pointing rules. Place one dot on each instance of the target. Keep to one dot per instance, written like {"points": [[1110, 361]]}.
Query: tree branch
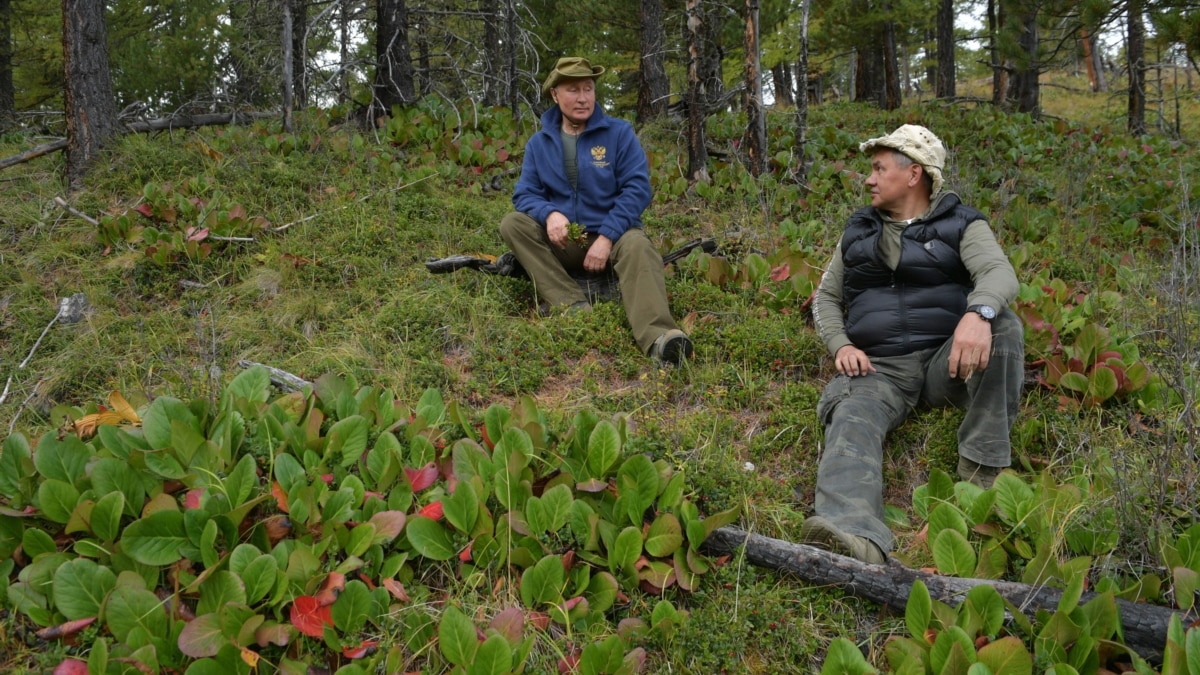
{"points": [[1145, 626]]}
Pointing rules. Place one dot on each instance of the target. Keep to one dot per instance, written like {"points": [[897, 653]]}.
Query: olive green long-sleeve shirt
{"points": [[995, 282]]}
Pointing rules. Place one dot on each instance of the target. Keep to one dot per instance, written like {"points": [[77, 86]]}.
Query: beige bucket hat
{"points": [[571, 68], [919, 144]]}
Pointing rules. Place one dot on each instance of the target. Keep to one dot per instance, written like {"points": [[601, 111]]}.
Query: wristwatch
{"points": [[987, 312]]}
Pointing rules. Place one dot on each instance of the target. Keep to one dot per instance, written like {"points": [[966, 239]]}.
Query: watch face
{"points": [[987, 312]]}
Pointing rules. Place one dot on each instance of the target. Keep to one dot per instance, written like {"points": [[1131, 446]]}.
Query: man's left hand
{"points": [[597, 255], [971, 347]]}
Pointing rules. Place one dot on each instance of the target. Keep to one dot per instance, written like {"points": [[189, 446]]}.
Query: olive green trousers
{"points": [[638, 265]]}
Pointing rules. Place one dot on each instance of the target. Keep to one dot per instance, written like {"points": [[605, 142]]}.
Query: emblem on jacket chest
{"points": [[599, 156]]}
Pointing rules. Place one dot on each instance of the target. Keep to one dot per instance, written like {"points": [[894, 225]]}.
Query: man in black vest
{"points": [[914, 309]]}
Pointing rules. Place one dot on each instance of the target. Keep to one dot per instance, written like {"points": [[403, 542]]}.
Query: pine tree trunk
{"points": [[802, 97], [891, 76], [510, 31], [945, 85], [697, 103], [8, 98], [393, 64], [91, 109], [287, 66], [493, 88], [300, 53], [1025, 79], [344, 49], [756, 125], [994, 50], [1095, 69], [781, 80], [1135, 49], [653, 86]]}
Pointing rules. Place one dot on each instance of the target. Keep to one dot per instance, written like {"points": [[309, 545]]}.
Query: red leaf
{"points": [[396, 589], [327, 478], [63, 630], [334, 583], [281, 498], [367, 580], [539, 620], [388, 523], [510, 623], [192, 499], [145, 210], [310, 617], [781, 273], [433, 511], [465, 554], [71, 667], [421, 478], [569, 663], [364, 649]]}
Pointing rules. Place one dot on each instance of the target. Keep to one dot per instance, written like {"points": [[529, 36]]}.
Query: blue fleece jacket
{"points": [[614, 176]]}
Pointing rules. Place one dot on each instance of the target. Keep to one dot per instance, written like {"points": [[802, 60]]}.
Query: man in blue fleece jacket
{"points": [[586, 168]]}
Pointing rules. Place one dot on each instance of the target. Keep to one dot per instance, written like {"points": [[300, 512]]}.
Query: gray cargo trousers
{"points": [[638, 265], [857, 413]]}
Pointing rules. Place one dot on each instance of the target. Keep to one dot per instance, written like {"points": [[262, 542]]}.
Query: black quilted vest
{"points": [[919, 304]]}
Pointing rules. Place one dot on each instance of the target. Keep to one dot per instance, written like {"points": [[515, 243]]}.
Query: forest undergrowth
{"points": [[305, 252]]}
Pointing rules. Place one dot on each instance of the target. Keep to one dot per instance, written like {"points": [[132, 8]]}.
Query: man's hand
{"points": [[972, 346], [556, 229], [852, 361], [597, 255]]}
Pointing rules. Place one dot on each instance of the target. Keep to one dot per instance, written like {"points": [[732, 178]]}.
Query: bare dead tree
{"points": [[756, 123], [697, 99], [802, 97], [286, 40]]}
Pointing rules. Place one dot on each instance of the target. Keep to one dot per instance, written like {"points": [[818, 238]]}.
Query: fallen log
{"points": [[1144, 626], [280, 378], [34, 153]]}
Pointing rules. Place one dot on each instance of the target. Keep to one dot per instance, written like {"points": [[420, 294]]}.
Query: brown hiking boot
{"points": [[974, 472], [672, 348], [819, 532]]}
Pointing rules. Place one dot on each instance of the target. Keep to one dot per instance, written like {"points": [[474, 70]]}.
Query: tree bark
{"points": [[697, 99], [781, 80], [1145, 626], [393, 64], [510, 55], [286, 41], [1025, 89], [299, 53], [1095, 69], [8, 97], [653, 86], [756, 125], [945, 84], [798, 148], [891, 75], [344, 49], [91, 109], [493, 87], [1135, 49], [994, 50]]}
